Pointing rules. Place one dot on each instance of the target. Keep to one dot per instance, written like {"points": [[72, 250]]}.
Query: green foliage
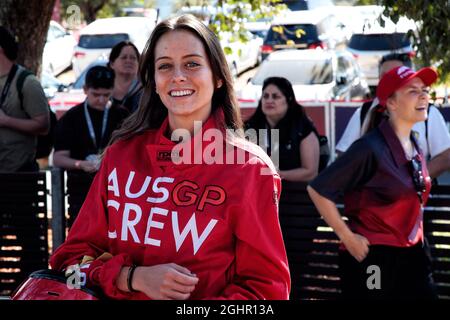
{"points": [[432, 41], [93, 9]]}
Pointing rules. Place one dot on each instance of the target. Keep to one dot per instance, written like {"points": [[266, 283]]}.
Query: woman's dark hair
{"points": [[152, 112], [117, 49], [295, 110]]}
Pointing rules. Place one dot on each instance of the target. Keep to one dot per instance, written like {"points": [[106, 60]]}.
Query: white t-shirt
{"points": [[438, 133]]}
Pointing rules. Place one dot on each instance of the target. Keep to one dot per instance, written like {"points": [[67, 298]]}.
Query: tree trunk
{"points": [[28, 21]]}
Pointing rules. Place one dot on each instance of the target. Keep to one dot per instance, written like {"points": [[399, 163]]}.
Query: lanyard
{"points": [[91, 127], [8, 82]]}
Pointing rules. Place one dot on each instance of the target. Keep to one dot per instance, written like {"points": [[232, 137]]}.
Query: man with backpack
{"points": [[433, 135], [24, 114]]}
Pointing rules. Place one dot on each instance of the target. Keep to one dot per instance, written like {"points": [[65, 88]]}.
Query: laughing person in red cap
{"points": [[385, 184]]}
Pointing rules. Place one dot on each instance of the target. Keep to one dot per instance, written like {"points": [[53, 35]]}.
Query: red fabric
{"points": [[400, 76], [229, 214], [47, 289], [390, 221]]}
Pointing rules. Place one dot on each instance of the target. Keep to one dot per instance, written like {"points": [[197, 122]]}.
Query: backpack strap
{"points": [[364, 110], [19, 84]]}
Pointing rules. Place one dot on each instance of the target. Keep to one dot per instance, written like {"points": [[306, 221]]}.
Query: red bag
{"points": [[50, 285]]}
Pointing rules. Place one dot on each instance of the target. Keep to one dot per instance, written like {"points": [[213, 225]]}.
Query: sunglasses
{"points": [[417, 175]]}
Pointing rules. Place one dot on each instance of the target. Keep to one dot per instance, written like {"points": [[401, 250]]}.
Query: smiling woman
{"points": [[153, 228], [385, 182], [184, 79]]}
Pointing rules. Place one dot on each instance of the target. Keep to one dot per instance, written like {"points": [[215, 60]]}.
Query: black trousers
{"points": [[388, 273]]}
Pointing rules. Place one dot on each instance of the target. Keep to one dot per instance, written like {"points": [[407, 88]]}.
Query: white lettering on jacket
{"points": [[128, 225], [115, 184], [130, 213], [191, 227], [154, 224], [144, 187], [164, 191], [115, 205]]}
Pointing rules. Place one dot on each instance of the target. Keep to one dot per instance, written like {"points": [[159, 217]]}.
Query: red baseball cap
{"points": [[400, 76]]}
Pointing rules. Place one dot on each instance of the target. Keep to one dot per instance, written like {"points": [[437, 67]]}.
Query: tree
{"points": [[231, 15], [93, 9], [433, 30], [89, 8], [28, 21]]}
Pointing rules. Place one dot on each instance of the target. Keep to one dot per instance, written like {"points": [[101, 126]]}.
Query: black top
{"points": [[293, 128], [131, 100], [72, 132]]}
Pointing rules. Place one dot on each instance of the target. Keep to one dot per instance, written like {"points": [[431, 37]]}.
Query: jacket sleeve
{"points": [[87, 241], [261, 266]]}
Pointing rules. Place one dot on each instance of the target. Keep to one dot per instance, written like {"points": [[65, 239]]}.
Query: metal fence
{"points": [[312, 247], [29, 231]]}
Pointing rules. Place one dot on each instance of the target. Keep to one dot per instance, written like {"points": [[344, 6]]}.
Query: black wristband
{"points": [[130, 278]]}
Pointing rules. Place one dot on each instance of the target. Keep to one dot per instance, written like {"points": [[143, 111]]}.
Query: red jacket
{"points": [[219, 220]]}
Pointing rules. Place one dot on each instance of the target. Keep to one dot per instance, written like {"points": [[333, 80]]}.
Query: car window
{"points": [[101, 41], [259, 33], [375, 42], [294, 5], [297, 33], [312, 71]]}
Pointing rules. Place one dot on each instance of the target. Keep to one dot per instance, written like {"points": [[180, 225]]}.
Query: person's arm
{"points": [[438, 143], [351, 134], [309, 155], [261, 269], [35, 105], [439, 164], [357, 245], [37, 125], [348, 172], [62, 159]]}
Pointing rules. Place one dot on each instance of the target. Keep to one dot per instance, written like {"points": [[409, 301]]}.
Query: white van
{"points": [[98, 38]]}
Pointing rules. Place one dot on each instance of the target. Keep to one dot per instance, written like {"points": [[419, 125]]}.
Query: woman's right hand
{"points": [[357, 245], [164, 281]]}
